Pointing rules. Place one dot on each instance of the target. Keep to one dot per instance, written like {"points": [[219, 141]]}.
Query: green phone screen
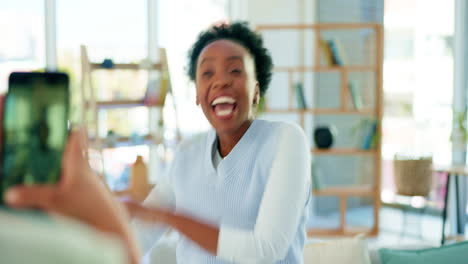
{"points": [[35, 129]]}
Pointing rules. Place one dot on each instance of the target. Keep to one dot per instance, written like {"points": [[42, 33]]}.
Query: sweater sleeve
{"points": [[282, 206], [148, 234]]}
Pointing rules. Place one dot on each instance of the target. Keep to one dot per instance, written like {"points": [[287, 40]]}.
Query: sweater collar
{"points": [[230, 163]]}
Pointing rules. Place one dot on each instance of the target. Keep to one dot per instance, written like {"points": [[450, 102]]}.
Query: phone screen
{"points": [[35, 129]]}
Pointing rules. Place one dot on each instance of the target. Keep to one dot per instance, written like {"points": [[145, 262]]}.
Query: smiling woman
{"points": [[239, 192], [227, 89]]}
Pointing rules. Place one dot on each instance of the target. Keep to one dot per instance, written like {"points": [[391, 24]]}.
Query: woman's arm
{"points": [[206, 236], [161, 196], [281, 208]]}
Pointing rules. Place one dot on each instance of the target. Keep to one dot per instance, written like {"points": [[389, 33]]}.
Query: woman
{"points": [[239, 192]]}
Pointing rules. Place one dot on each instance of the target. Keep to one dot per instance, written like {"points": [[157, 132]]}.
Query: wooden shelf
{"points": [[125, 142], [346, 191], [320, 111], [346, 100], [343, 151], [346, 68], [339, 232], [318, 26], [125, 66], [120, 104]]}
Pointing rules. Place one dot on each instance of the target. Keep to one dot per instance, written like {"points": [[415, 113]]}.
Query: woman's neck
{"points": [[227, 141]]}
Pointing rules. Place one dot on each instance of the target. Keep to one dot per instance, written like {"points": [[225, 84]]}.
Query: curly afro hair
{"points": [[240, 33]]}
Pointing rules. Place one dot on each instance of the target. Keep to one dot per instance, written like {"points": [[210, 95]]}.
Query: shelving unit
{"points": [[341, 192], [343, 151], [92, 106]]}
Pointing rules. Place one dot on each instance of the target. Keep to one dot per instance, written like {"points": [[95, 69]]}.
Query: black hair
{"points": [[240, 33]]}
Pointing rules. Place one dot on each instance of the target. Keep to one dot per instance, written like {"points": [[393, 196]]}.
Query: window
{"points": [[177, 34], [418, 82], [118, 30], [22, 45]]}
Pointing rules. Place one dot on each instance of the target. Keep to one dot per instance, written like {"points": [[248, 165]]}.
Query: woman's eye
{"points": [[236, 71], [207, 73]]}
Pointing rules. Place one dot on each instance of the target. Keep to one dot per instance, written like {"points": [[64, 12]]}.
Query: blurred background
{"points": [[421, 91]]}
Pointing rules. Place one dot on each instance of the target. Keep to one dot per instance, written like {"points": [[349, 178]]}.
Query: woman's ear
{"points": [[256, 95], [197, 101]]}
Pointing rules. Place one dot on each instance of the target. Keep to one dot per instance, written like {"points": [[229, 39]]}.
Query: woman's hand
{"points": [[150, 215], [79, 194], [205, 235]]}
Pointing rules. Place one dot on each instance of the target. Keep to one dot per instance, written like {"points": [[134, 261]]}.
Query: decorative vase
{"points": [[139, 186], [323, 137], [413, 176]]}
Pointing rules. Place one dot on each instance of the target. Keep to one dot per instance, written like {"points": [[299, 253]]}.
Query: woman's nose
{"points": [[222, 80]]}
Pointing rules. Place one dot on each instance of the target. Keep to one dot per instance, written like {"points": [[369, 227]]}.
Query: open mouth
{"points": [[224, 106]]}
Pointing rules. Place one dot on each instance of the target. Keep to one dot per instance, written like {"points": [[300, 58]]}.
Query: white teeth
{"points": [[222, 100], [224, 112]]}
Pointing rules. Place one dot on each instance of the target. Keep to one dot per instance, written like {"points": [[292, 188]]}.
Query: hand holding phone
{"points": [[78, 192], [34, 129]]}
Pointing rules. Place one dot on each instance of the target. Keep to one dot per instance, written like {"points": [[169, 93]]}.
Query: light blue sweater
{"points": [[231, 195]]}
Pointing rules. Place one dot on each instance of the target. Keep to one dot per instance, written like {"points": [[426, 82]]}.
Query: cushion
{"points": [[453, 254], [29, 237], [375, 245], [346, 250]]}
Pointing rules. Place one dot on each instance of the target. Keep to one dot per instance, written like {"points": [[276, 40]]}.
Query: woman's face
{"points": [[227, 88]]}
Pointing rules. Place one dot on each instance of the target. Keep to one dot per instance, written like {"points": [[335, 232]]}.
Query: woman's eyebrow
{"points": [[206, 60], [231, 58]]}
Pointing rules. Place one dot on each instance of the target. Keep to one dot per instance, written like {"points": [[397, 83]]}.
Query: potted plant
{"points": [[459, 136]]}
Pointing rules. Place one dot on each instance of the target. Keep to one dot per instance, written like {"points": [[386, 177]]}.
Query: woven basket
{"points": [[413, 177]]}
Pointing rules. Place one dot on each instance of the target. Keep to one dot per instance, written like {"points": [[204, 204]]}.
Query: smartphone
{"points": [[34, 129]]}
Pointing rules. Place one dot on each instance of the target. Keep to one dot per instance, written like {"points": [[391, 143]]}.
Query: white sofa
{"points": [[353, 250]]}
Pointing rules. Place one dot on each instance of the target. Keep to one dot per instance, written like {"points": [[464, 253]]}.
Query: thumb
{"points": [[39, 196], [73, 159]]}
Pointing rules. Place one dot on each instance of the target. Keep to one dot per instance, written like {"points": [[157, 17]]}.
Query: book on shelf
{"points": [[370, 134], [337, 51], [300, 97], [327, 53], [316, 177], [355, 94], [157, 89]]}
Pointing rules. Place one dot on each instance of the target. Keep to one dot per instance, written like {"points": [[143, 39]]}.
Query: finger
{"points": [[83, 136], [75, 145], [72, 159], [40, 196], [143, 213]]}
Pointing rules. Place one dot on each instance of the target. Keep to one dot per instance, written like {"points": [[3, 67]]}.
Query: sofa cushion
{"points": [[455, 253], [346, 250], [31, 237]]}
